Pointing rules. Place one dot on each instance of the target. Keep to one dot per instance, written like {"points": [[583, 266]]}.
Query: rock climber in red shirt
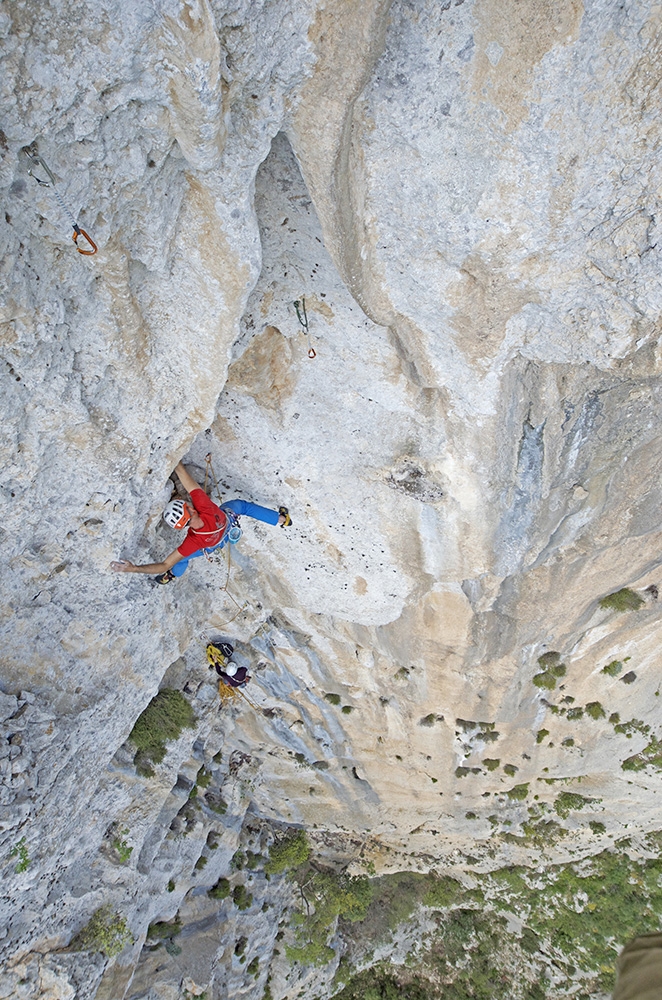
{"points": [[209, 527]]}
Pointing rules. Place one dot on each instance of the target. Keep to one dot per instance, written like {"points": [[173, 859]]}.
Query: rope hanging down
{"points": [[209, 474], [38, 161], [302, 316]]}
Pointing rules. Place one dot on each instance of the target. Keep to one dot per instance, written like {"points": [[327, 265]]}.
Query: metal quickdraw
{"points": [[302, 316], [38, 161]]}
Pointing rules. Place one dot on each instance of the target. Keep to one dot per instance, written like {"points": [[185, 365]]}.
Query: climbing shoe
{"points": [[286, 514], [166, 577]]}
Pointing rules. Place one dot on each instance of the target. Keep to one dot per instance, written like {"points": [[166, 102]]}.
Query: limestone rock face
{"points": [[467, 198]]}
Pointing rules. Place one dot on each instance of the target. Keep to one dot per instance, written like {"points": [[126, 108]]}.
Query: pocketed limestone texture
{"points": [[467, 197]]}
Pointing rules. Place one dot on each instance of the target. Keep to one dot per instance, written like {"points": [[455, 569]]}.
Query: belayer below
{"points": [[219, 657], [209, 527]]}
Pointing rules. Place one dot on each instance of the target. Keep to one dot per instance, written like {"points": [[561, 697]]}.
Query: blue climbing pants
{"points": [[237, 507]]}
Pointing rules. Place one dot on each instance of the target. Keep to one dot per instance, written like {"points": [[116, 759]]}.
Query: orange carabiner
{"points": [[81, 232]]}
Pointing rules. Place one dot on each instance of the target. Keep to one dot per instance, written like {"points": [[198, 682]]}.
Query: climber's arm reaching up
{"points": [[123, 566], [187, 481]]}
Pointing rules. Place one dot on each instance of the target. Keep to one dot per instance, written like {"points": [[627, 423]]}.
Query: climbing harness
{"points": [[38, 161], [302, 316], [232, 531]]}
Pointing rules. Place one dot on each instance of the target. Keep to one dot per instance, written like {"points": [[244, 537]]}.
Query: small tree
{"points": [[291, 852]]}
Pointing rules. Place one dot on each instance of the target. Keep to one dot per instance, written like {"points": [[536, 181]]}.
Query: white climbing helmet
{"points": [[230, 669], [176, 514]]}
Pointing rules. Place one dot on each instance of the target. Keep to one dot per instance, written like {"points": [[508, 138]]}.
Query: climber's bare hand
{"points": [[123, 566]]}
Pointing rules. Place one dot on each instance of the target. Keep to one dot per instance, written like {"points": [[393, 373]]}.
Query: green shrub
{"points": [[253, 967], [491, 763], [292, 851], [106, 932], [120, 845], [170, 886], [442, 893], [541, 734], [20, 851], [650, 755], [530, 941], [221, 890], [201, 862], [597, 828], [568, 801], [161, 722], [382, 983], [241, 897], [550, 659], [595, 710], [575, 713], [510, 769], [162, 929], [334, 895], [311, 953], [346, 709], [622, 600], [545, 680], [613, 669], [633, 726], [216, 802], [519, 792], [333, 699], [203, 778]]}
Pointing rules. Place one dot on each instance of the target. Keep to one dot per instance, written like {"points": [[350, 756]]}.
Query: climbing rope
{"points": [[209, 472], [210, 475], [227, 693], [302, 316], [38, 161]]}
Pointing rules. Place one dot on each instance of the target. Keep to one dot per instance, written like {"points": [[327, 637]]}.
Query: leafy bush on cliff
{"points": [[221, 890], [288, 853], [551, 670], [162, 929], [162, 721], [622, 600], [567, 801], [106, 931], [328, 896], [583, 912]]}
